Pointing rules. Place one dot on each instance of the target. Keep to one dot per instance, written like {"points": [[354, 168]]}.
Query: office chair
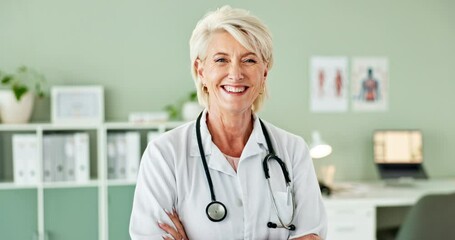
{"points": [[432, 217]]}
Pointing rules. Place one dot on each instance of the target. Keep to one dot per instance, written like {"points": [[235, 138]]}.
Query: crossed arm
{"points": [[178, 233]]}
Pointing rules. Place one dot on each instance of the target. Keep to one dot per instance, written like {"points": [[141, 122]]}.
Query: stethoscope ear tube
{"points": [[265, 166], [284, 169], [272, 155]]}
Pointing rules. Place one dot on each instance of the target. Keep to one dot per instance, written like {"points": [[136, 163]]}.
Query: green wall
{"points": [[138, 50]]}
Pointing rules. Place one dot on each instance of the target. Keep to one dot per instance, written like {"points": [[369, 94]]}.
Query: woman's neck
{"points": [[230, 132]]}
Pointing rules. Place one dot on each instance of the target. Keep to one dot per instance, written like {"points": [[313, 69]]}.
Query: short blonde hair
{"points": [[247, 29]]}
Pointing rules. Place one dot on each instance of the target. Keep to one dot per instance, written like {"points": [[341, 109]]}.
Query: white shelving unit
{"points": [[98, 178]]}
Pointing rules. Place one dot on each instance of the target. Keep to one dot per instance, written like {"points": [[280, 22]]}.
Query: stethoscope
{"points": [[216, 211]]}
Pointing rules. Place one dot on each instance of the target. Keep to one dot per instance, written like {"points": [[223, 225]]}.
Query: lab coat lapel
{"points": [[219, 162], [256, 144]]}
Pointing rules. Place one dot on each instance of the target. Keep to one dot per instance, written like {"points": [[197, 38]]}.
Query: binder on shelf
{"points": [[111, 156], [133, 146], [19, 160], [66, 157], [81, 161], [25, 158], [69, 160], [123, 155], [58, 159], [120, 162], [53, 157], [47, 159]]}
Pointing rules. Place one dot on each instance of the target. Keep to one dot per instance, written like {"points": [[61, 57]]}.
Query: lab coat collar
{"points": [[256, 144]]}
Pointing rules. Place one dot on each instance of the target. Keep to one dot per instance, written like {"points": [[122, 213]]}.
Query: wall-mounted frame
{"points": [[77, 104]]}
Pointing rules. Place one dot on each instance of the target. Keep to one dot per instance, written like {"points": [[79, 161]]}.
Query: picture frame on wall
{"points": [[77, 104], [329, 84], [370, 84]]}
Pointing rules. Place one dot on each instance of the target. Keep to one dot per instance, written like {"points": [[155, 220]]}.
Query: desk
{"points": [[351, 209]]}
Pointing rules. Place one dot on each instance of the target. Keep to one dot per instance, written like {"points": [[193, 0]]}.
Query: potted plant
{"points": [[18, 94], [186, 109], [191, 107]]}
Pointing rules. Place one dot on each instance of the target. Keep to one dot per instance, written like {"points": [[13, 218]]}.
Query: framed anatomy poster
{"points": [[369, 84], [329, 84]]}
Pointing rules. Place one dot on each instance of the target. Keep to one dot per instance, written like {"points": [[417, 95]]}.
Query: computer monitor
{"points": [[398, 154]]}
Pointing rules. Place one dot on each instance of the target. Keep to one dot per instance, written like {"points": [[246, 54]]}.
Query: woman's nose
{"points": [[235, 72]]}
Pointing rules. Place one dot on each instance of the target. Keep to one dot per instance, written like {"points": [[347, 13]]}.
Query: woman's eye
{"points": [[221, 60], [249, 60]]}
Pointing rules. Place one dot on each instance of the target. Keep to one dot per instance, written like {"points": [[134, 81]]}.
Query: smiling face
{"points": [[233, 75]]}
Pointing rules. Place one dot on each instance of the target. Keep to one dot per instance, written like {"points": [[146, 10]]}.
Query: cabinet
{"points": [[349, 220], [94, 209], [352, 209]]}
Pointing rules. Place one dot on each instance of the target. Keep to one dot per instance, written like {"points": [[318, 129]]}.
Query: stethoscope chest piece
{"points": [[216, 211]]}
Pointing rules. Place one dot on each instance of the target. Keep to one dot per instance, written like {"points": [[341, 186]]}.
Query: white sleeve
{"points": [[310, 216], [155, 191]]}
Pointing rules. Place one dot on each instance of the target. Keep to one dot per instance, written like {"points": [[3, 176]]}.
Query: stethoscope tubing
{"points": [[204, 161], [214, 216]]}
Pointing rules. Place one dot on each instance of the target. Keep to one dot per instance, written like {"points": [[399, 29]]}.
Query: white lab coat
{"points": [[172, 175]]}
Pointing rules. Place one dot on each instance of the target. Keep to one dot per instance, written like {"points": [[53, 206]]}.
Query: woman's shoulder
{"points": [[170, 147], [283, 135], [174, 137]]}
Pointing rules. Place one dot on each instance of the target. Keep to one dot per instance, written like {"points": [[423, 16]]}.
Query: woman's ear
{"points": [[199, 69], [266, 72]]}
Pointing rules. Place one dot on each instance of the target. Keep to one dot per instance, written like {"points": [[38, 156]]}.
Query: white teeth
{"points": [[234, 89]]}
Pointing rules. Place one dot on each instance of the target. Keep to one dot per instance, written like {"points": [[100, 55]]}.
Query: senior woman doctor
{"points": [[179, 178]]}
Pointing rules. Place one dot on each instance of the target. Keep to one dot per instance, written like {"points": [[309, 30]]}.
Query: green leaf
{"points": [[7, 79], [19, 91], [39, 91], [193, 96], [23, 80], [172, 110]]}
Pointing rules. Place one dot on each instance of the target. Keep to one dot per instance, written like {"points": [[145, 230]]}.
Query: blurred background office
{"points": [[138, 51]]}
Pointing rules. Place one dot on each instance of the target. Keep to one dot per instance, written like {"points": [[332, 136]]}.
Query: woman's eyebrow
{"points": [[220, 53], [249, 53], [243, 55]]}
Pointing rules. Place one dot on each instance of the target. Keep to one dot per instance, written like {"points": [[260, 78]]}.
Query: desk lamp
{"points": [[320, 149]]}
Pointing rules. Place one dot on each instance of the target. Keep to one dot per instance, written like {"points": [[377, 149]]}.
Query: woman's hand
{"points": [[308, 237], [177, 234]]}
